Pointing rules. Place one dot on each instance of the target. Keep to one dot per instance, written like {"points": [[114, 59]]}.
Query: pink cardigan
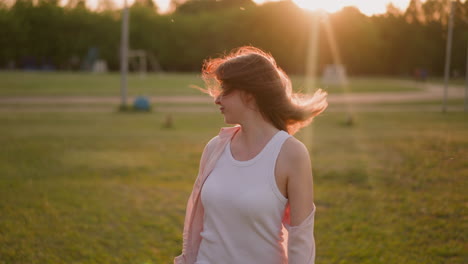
{"points": [[298, 241]]}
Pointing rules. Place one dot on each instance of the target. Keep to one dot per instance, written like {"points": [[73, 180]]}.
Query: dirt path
{"points": [[213, 109], [338, 102]]}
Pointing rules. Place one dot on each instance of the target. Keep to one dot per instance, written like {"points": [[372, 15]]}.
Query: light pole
{"points": [[466, 79], [124, 57], [448, 53]]}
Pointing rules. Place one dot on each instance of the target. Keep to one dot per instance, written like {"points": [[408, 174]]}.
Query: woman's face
{"points": [[232, 106]]}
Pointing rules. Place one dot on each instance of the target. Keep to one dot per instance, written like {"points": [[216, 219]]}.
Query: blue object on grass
{"points": [[142, 103]]}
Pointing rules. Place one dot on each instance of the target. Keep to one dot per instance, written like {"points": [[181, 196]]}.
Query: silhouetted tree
{"points": [[197, 6], [44, 32]]}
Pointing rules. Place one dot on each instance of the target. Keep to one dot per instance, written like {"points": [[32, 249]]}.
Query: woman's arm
{"points": [[294, 166], [295, 161]]}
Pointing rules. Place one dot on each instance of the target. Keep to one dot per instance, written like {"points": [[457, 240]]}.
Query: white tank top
{"points": [[243, 209]]}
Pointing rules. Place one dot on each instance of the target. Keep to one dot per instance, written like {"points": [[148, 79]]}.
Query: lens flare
{"points": [[329, 5], [365, 6]]}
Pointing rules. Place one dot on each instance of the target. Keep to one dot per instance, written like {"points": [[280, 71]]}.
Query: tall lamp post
{"points": [[466, 79], [448, 54], [124, 57]]}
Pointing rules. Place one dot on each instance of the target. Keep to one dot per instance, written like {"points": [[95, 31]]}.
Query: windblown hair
{"points": [[254, 71]]}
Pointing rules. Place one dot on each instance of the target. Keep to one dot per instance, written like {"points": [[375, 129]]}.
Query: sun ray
{"points": [[310, 77], [342, 78]]}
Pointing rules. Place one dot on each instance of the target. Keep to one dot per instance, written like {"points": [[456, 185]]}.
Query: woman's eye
{"points": [[225, 92]]}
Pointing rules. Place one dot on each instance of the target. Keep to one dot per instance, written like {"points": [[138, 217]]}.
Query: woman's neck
{"points": [[255, 132]]}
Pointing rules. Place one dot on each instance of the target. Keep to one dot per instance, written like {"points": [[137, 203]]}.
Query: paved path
{"points": [[337, 102], [212, 109]]}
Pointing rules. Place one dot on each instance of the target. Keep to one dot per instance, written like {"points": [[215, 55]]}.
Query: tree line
{"points": [[43, 34]]}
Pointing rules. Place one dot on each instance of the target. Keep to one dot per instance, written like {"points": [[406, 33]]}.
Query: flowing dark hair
{"points": [[254, 71]]}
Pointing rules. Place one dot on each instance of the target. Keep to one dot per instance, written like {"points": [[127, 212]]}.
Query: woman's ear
{"points": [[249, 100]]}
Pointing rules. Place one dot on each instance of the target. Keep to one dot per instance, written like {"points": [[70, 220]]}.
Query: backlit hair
{"points": [[254, 71]]}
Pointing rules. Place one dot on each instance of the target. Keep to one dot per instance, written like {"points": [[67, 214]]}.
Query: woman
{"points": [[253, 199]]}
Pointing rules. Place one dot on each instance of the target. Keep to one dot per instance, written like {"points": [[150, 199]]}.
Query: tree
{"points": [[392, 10], [436, 11], [197, 6], [41, 31], [106, 5], [414, 13], [149, 4]]}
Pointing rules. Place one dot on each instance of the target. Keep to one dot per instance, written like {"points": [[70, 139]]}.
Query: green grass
{"points": [[362, 85], [457, 102], [112, 188], [88, 84]]}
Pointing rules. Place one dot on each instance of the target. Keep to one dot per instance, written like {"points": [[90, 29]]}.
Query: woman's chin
{"points": [[229, 121]]}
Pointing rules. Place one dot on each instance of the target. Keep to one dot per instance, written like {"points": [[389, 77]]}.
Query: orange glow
{"points": [[329, 5], [368, 7]]}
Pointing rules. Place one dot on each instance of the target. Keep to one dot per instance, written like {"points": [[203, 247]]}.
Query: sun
{"points": [[368, 7], [328, 5]]}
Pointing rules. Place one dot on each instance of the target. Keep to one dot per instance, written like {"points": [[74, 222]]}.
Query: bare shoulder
{"points": [[293, 160], [293, 169], [298, 172], [294, 152]]}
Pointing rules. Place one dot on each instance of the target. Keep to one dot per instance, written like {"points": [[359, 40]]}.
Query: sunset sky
{"points": [[368, 7]]}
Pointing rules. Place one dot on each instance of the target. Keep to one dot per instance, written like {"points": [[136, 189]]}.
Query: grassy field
{"points": [[87, 84], [108, 187], [112, 188]]}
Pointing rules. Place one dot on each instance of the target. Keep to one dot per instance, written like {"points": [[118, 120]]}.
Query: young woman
{"points": [[253, 199]]}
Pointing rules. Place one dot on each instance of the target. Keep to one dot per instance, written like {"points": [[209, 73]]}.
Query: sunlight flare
{"points": [[365, 6], [329, 5], [311, 71]]}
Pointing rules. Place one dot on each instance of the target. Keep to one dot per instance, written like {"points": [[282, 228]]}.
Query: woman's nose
{"points": [[218, 100]]}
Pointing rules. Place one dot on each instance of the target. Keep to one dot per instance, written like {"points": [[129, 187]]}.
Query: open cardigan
{"points": [[299, 243]]}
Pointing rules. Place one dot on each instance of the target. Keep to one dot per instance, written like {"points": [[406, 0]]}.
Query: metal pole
{"points": [[143, 66], [124, 56], [466, 79], [448, 53]]}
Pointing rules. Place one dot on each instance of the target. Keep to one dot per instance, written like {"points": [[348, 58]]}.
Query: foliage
{"points": [[47, 35], [199, 6]]}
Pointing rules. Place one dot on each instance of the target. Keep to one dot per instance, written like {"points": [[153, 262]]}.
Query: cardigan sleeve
{"points": [[186, 246], [193, 215], [301, 242]]}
